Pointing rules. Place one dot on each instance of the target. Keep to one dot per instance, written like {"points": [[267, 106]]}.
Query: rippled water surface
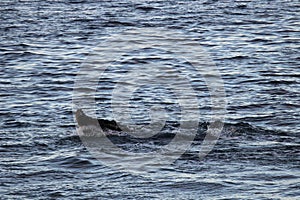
{"points": [[254, 44]]}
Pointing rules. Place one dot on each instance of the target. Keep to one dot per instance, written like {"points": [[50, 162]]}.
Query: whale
{"points": [[84, 120]]}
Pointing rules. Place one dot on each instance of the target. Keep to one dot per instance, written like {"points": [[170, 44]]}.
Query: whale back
{"points": [[84, 120]]}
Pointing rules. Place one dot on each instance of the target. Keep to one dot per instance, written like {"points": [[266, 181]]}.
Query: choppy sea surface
{"points": [[255, 45]]}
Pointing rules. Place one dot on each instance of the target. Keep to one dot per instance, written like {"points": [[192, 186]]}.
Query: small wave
{"points": [[146, 8], [115, 23], [72, 162]]}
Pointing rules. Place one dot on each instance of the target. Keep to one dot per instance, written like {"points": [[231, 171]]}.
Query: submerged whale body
{"points": [[84, 120]]}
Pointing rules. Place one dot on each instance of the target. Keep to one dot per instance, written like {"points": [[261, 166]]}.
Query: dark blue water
{"points": [[255, 46]]}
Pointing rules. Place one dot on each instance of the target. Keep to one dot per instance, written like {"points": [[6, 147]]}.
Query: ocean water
{"points": [[255, 45]]}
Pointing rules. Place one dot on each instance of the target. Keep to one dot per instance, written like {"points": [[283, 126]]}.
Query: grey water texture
{"points": [[255, 45]]}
